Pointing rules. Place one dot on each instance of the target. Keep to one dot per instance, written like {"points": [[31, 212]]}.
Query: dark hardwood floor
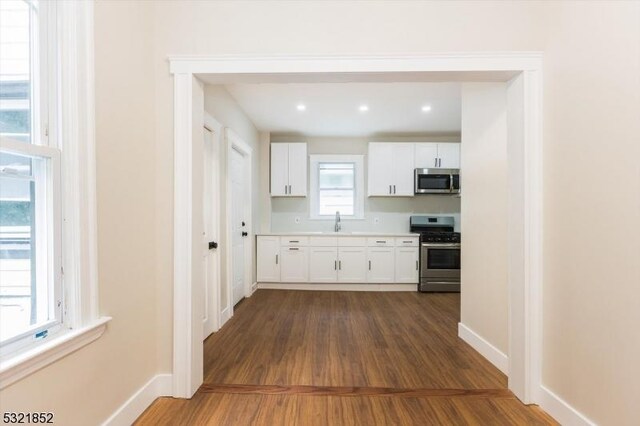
{"points": [[307, 357]]}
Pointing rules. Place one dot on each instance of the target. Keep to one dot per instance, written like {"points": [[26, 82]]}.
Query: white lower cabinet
{"points": [[380, 265], [337, 259], [352, 265], [323, 264], [295, 265], [268, 261], [407, 265]]}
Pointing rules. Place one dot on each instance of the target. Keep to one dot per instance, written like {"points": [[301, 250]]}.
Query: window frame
{"points": [[52, 244], [69, 125], [44, 143], [314, 199]]}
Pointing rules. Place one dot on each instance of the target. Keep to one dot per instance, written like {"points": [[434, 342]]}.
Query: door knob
{"points": [[244, 234], [243, 224], [213, 245]]}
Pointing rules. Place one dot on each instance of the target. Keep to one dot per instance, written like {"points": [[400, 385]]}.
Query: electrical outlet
{"points": [[376, 220], [297, 220]]}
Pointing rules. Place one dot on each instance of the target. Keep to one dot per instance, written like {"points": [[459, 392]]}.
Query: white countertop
{"points": [[341, 234]]}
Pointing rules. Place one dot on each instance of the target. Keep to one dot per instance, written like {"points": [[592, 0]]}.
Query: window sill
{"points": [[32, 360]]}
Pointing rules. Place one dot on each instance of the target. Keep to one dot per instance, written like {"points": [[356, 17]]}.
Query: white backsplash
{"points": [[381, 214]]}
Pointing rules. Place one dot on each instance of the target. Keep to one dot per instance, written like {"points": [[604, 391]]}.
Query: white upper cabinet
{"points": [[288, 169], [297, 169], [391, 169], [426, 155], [449, 154], [431, 155]]}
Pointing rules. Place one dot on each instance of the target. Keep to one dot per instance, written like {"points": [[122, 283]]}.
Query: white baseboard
{"points": [[560, 410], [128, 412], [339, 286], [486, 349], [254, 287], [225, 315]]}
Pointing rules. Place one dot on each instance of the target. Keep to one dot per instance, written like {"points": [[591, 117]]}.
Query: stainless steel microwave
{"points": [[437, 181]]}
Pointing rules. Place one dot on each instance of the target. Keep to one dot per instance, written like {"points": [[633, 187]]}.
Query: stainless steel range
{"points": [[439, 253]]}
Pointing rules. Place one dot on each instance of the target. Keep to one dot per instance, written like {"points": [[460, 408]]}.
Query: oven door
{"points": [[440, 260]]}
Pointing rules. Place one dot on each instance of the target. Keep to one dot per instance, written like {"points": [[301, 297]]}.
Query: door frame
{"points": [[212, 125], [235, 142], [525, 187]]}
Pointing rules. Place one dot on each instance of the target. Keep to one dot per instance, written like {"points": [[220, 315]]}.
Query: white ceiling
{"points": [[332, 108]]}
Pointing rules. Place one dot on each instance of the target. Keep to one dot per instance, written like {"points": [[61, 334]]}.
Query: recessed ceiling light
{"points": [[301, 107], [363, 108], [426, 108]]}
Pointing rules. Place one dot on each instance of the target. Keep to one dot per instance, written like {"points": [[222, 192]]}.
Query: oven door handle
{"points": [[442, 246]]}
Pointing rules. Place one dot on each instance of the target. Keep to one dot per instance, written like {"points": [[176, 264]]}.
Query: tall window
{"points": [[30, 282], [337, 186]]}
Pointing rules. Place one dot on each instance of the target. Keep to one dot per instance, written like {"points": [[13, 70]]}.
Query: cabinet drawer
{"points": [[352, 242], [380, 242], [323, 241], [294, 241], [407, 242]]}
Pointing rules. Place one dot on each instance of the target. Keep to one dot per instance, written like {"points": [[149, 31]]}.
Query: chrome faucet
{"points": [[337, 227]]}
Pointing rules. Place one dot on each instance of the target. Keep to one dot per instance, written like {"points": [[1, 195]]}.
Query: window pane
{"points": [[336, 200], [26, 297], [336, 175], [15, 70]]}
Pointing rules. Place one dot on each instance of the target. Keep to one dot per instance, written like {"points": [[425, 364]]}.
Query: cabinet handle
{"points": [[439, 162], [416, 265], [407, 242], [294, 241], [369, 265], [289, 189], [335, 265], [276, 259], [380, 241], [436, 162], [285, 189], [389, 189], [394, 189], [293, 248], [340, 265]]}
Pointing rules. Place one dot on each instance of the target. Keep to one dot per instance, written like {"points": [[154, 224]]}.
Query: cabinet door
{"points": [[403, 161], [268, 259], [380, 264], [426, 155], [380, 171], [449, 154], [297, 169], [323, 264], [352, 265], [407, 265], [295, 265], [279, 169]]}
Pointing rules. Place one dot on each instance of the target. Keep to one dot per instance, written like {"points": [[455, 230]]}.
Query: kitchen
{"points": [[353, 204]]}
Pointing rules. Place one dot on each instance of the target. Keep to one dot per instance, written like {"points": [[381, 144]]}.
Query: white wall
{"points": [[392, 214], [484, 296], [85, 387], [591, 99]]}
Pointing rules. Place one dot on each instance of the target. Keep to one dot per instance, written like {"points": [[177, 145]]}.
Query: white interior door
{"points": [[211, 230], [237, 224]]}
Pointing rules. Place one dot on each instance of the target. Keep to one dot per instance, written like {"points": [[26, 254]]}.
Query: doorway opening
{"points": [[524, 73]]}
